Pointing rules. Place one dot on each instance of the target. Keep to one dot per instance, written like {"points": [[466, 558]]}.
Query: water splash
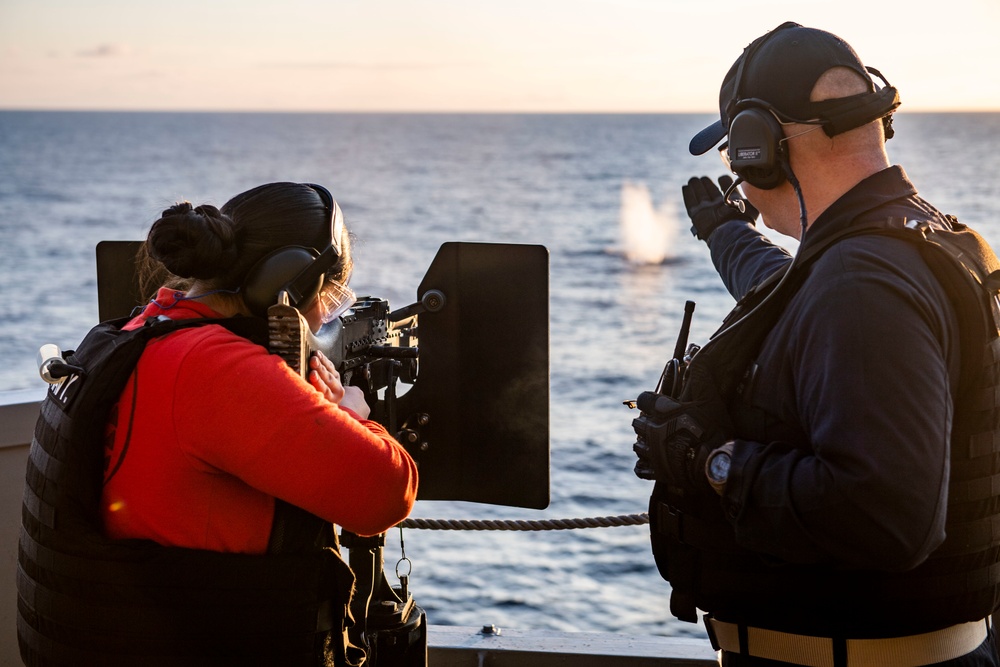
{"points": [[647, 232]]}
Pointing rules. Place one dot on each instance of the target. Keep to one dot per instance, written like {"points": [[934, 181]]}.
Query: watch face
{"points": [[718, 466]]}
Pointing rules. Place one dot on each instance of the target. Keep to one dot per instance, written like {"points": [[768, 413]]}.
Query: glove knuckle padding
{"points": [[706, 205], [686, 423]]}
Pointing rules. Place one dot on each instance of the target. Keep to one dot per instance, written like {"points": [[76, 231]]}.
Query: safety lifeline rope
{"points": [[516, 524]]}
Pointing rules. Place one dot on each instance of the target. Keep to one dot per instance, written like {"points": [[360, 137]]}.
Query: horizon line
{"points": [[524, 112]]}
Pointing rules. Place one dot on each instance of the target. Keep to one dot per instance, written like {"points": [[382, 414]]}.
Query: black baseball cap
{"points": [[780, 68]]}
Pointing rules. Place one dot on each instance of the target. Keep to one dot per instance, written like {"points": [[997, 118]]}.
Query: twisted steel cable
{"points": [[517, 524]]}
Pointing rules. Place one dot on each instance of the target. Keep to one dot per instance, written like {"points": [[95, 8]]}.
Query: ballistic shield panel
{"points": [[117, 279], [484, 376]]}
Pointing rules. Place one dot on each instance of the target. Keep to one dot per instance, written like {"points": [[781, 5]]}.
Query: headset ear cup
{"points": [[756, 152], [273, 273]]}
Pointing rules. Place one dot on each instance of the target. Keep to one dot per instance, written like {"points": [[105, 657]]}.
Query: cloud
{"points": [[148, 74], [110, 50], [389, 66]]}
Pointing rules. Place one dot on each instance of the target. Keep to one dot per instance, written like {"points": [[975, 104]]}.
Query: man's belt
{"points": [[910, 651]]}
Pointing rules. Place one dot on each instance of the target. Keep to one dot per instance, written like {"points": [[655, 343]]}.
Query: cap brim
{"points": [[707, 138]]}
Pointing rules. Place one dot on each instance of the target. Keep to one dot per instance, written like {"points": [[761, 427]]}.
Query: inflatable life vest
{"points": [[86, 599], [694, 546]]}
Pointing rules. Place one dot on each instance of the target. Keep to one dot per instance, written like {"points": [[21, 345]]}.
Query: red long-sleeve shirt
{"points": [[220, 428]]}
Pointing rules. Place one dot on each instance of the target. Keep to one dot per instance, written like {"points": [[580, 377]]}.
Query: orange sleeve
{"points": [[242, 411]]}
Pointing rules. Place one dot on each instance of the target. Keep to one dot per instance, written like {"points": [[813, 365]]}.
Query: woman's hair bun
{"points": [[193, 242]]}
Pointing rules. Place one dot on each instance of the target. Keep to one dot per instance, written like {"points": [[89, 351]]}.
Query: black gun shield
{"points": [[484, 377], [117, 279]]}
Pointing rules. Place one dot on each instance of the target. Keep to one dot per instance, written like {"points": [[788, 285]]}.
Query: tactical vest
{"points": [[694, 545], [86, 599]]}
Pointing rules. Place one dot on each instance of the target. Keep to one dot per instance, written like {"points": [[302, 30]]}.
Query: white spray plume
{"points": [[647, 232]]}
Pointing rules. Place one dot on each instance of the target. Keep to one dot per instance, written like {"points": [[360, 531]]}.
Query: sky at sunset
{"points": [[462, 55]]}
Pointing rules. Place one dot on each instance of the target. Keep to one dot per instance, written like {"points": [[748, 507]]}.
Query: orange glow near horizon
{"points": [[641, 56]]}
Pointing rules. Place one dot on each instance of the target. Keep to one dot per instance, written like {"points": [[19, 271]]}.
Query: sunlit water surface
{"points": [[602, 193]]}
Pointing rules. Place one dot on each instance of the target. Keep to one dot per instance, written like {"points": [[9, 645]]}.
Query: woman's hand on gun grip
{"points": [[323, 376], [354, 399]]}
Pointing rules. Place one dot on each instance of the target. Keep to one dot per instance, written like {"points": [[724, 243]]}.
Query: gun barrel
{"points": [[391, 352]]}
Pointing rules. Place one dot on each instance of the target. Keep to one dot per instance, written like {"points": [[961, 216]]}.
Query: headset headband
{"points": [[748, 54], [306, 280], [836, 115], [297, 270], [336, 217]]}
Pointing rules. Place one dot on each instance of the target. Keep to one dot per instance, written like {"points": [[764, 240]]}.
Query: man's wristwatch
{"points": [[717, 466]]}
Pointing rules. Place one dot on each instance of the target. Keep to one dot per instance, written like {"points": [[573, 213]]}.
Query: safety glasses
{"points": [[334, 300], [334, 297], [724, 156]]}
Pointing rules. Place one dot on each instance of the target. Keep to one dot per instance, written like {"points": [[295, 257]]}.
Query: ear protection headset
{"points": [[757, 151], [297, 270]]}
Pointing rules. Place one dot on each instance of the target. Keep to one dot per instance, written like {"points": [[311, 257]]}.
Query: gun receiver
{"points": [[369, 350]]}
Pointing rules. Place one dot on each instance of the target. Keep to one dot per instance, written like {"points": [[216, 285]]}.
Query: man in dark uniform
{"points": [[826, 483]]}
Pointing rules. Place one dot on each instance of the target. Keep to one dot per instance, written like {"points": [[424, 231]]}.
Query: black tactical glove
{"points": [[707, 207], [675, 440]]}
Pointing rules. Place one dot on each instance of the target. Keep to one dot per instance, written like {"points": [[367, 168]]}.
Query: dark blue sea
{"points": [[601, 192]]}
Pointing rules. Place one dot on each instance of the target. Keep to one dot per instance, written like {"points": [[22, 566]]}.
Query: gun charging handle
{"points": [[431, 301]]}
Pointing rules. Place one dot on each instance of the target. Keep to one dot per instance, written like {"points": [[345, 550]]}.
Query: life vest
{"points": [[87, 599], [694, 544]]}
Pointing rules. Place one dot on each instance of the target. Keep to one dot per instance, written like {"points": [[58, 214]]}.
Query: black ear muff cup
{"points": [[276, 272], [755, 149]]}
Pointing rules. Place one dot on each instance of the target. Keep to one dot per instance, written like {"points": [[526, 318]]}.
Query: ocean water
{"points": [[601, 192]]}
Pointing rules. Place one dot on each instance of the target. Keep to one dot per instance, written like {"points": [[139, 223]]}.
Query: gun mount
{"points": [[476, 417]]}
